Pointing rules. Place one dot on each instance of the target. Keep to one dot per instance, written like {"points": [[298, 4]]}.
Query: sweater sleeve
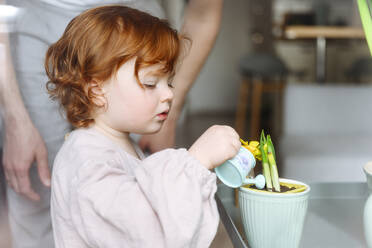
{"points": [[166, 201]]}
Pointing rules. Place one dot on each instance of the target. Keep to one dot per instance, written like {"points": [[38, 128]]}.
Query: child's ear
{"points": [[97, 93]]}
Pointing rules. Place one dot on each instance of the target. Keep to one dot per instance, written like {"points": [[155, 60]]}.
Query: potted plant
{"points": [[273, 216]]}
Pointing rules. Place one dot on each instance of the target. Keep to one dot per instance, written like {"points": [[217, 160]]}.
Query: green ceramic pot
{"points": [[273, 219]]}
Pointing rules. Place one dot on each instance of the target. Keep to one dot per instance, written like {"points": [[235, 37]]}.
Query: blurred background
{"points": [[218, 84], [301, 70]]}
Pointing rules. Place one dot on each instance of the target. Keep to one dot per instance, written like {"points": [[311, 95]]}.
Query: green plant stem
{"points": [[265, 162], [267, 175], [272, 163]]}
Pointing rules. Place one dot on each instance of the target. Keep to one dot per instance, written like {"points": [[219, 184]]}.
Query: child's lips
{"points": [[163, 115]]}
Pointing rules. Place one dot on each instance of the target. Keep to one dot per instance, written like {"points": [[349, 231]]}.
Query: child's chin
{"points": [[149, 129], [152, 131]]}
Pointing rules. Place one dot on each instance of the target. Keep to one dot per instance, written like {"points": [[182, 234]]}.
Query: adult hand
{"points": [[23, 145], [163, 139]]}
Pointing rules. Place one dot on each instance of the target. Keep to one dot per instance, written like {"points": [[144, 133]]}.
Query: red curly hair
{"points": [[94, 46]]}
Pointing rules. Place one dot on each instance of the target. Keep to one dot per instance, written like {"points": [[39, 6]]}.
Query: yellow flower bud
{"points": [[244, 143], [254, 150], [254, 143]]}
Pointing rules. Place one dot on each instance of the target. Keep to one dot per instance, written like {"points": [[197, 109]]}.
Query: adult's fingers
{"points": [[24, 185], [11, 179], [42, 167], [18, 179]]}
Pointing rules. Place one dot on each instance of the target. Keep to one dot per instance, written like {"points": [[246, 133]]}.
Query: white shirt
{"points": [[149, 6]]}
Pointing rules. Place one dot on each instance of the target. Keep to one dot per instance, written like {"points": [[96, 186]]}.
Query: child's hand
{"points": [[215, 146]]}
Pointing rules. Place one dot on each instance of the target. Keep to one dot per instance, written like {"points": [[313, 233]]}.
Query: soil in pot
{"points": [[285, 188]]}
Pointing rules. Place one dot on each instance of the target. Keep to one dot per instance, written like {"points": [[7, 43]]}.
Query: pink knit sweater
{"points": [[104, 197]]}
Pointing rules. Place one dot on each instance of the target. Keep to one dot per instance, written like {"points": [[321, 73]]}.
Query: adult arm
{"points": [[201, 24], [22, 142]]}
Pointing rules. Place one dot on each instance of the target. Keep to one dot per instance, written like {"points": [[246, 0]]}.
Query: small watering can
{"points": [[233, 172]]}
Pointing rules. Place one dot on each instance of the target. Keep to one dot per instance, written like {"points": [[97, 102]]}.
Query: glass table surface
{"points": [[334, 217]]}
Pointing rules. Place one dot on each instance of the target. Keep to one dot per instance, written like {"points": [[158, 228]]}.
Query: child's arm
{"points": [[165, 201], [182, 193]]}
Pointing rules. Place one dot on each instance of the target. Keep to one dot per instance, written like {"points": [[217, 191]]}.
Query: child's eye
{"points": [[170, 85], [149, 85]]}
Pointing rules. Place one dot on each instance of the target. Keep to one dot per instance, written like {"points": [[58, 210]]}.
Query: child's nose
{"points": [[167, 94]]}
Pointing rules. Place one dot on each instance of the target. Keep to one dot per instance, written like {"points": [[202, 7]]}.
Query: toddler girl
{"points": [[111, 71]]}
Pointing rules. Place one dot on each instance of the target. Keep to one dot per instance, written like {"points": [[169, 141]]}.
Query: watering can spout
{"points": [[258, 181]]}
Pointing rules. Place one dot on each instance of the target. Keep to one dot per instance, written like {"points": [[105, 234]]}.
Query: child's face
{"points": [[130, 108]]}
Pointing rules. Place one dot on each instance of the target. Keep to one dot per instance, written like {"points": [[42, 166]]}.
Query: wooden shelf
{"points": [[329, 32]]}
